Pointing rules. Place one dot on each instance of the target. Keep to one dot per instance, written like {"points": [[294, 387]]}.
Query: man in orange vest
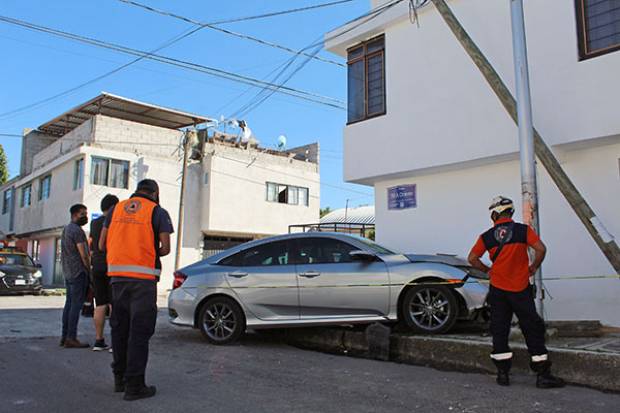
{"points": [[507, 243], [135, 235]]}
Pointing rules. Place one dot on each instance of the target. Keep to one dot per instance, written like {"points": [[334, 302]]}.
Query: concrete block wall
{"points": [[33, 142], [78, 136]]}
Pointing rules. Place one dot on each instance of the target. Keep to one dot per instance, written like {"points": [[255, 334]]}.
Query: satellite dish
{"points": [[281, 142]]}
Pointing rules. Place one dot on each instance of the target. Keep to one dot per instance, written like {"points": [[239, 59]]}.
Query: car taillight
{"points": [[179, 279]]}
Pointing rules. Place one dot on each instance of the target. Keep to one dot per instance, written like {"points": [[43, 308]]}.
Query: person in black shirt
{"points": [[99, 273]]}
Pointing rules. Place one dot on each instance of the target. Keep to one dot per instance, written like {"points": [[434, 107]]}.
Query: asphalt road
{"points": [[257, 375]]}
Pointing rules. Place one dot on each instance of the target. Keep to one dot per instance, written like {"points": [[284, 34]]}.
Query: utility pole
{"points": [[529, 189], [177, 258], [595, 228]]}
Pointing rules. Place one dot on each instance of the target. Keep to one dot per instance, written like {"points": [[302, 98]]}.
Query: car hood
{"points": [[17, 269], [438, 258]]}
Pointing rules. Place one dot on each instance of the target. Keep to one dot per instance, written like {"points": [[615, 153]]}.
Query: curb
{"points": [[593, 369]]}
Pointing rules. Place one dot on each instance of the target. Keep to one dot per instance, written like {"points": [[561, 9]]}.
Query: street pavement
{"points": [[258, 375]]}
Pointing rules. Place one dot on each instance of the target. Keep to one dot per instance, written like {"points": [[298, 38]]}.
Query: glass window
{"points": [[272, 190], [323, 251], [119, 174], [292, 195], [26, 198], [45, 186], [598, 24], [273, 253], [99, 171], [6, 201], [78, 174], [303, 196], [282, 192], [366, 80], [16, 259], [36, 250]]}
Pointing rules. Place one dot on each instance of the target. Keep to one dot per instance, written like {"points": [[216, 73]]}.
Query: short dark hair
{"points": [[76, 208], [108, 202], [147, 185]]}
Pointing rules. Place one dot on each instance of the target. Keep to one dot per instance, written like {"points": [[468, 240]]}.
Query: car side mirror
{"points": [[363, 256]]}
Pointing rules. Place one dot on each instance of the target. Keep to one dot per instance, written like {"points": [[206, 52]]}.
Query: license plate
{"points": [[20, 282]]}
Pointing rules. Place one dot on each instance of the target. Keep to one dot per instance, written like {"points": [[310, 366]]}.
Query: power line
{"points": [[237, 34], [11, 135], [324, 100], [103, 76]]}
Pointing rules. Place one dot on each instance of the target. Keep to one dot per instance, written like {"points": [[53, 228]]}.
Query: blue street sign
{"points": [[402, 197]]}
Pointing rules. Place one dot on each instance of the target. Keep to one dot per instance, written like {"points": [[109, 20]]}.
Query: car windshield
{"points": [[15, 259], [373, 246]]}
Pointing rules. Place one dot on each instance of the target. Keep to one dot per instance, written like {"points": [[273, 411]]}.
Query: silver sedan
{"points": [[317, 278]]}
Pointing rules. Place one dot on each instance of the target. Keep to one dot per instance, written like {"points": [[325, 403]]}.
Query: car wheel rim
{"points": [[219, 321], [430, 309]]}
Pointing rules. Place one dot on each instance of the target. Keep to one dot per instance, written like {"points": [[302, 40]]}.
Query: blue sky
{"points": [[38, 65]]}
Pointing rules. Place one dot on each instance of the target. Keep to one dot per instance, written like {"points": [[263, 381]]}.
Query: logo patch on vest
{"points": [[503, 234], [133, 206]]}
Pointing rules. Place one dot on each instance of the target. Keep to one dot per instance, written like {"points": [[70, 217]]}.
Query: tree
{"points": [[324, 211], [4, 167]]}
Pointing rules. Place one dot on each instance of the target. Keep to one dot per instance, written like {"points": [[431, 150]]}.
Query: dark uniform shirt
{"points": [[161, 223], [510, 270], [97, 260]]}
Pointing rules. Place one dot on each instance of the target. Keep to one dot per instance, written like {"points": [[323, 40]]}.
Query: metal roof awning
{"points": [[122, 108]]}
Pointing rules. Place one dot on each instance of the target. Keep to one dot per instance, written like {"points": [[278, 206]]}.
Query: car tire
{"points": [[221, 321], [429, 309]]}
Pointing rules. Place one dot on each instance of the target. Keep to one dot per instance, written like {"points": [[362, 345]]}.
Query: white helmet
{"points": [[501, 204]]}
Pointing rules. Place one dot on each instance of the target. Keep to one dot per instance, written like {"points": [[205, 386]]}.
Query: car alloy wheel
{"points": [[221, 320], [430, 308]]}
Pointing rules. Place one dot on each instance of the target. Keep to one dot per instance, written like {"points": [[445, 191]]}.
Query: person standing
{"points": [[135, 235], [511, 292], [75, 267], [99, 274]]}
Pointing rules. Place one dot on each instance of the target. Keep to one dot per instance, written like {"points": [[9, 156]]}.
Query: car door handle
{"points": [[309, 274], [237, 274]]}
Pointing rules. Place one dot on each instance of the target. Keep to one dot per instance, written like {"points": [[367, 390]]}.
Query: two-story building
{"points": [[106, 145], [437, 145]]}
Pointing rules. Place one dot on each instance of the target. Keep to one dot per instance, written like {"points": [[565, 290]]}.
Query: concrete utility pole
{"points": [[529, 189], [603, 239], [177, 258]]}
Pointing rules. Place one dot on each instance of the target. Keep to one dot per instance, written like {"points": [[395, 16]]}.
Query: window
{"points": [[324, 251], [273, 253], [598, 27], [6, 201], [26, 200], [78, 174], [366, 80], [110, 172], [45, 185], [287, 194], [36, 250]]}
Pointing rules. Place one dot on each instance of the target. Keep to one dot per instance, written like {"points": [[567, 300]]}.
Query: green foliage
{"points": [[324, 211], [4, 166]]}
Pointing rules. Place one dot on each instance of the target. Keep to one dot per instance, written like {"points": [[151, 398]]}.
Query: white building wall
{"points": [[441, 111], [238, 176], [452, 212]]}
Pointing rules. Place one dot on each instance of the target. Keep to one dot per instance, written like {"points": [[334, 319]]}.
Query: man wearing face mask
{"points": [[75, 261], [136, 233]]}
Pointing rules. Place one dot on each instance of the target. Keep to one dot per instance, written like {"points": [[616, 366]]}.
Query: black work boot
{"points": [[544, 378], [119, 383], [503, 371], [136, 389]]}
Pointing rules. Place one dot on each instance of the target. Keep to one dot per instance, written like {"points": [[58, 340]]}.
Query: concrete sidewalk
{"points": [[591, 362]]}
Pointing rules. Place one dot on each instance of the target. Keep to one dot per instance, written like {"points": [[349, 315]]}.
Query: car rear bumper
{"points": [[181, 307]]}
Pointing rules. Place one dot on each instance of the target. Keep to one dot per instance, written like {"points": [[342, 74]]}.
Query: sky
{"points": [[38, 65]]}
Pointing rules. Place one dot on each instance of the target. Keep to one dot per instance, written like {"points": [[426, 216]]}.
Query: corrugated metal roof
{"points": [[121, 108], [358, 215]]}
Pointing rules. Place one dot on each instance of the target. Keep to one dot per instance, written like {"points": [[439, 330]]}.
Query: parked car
{"points": [[315, 279], [18, 273]]}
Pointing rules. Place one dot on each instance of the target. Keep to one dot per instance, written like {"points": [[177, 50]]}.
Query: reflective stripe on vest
{"points": [[130, 242]]}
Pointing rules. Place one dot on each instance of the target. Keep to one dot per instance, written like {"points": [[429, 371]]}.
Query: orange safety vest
{"points": [[130, 244]]}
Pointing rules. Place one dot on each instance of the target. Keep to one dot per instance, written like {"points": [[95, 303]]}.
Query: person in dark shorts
{"points": [[99, 274]]}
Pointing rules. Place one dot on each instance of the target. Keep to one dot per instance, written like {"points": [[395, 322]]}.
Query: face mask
{"points": [[82, 221]]}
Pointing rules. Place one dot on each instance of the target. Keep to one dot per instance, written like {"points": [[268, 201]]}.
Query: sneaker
{"points": [[75, 343], [110, 350], [100, 345]]}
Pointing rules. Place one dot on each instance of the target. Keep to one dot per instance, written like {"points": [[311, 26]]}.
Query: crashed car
{"points": [[320, 279], [18, 273]]}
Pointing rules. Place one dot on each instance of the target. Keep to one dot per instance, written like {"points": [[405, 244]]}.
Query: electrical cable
{"points": [[236, 34], [324, 100]]}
